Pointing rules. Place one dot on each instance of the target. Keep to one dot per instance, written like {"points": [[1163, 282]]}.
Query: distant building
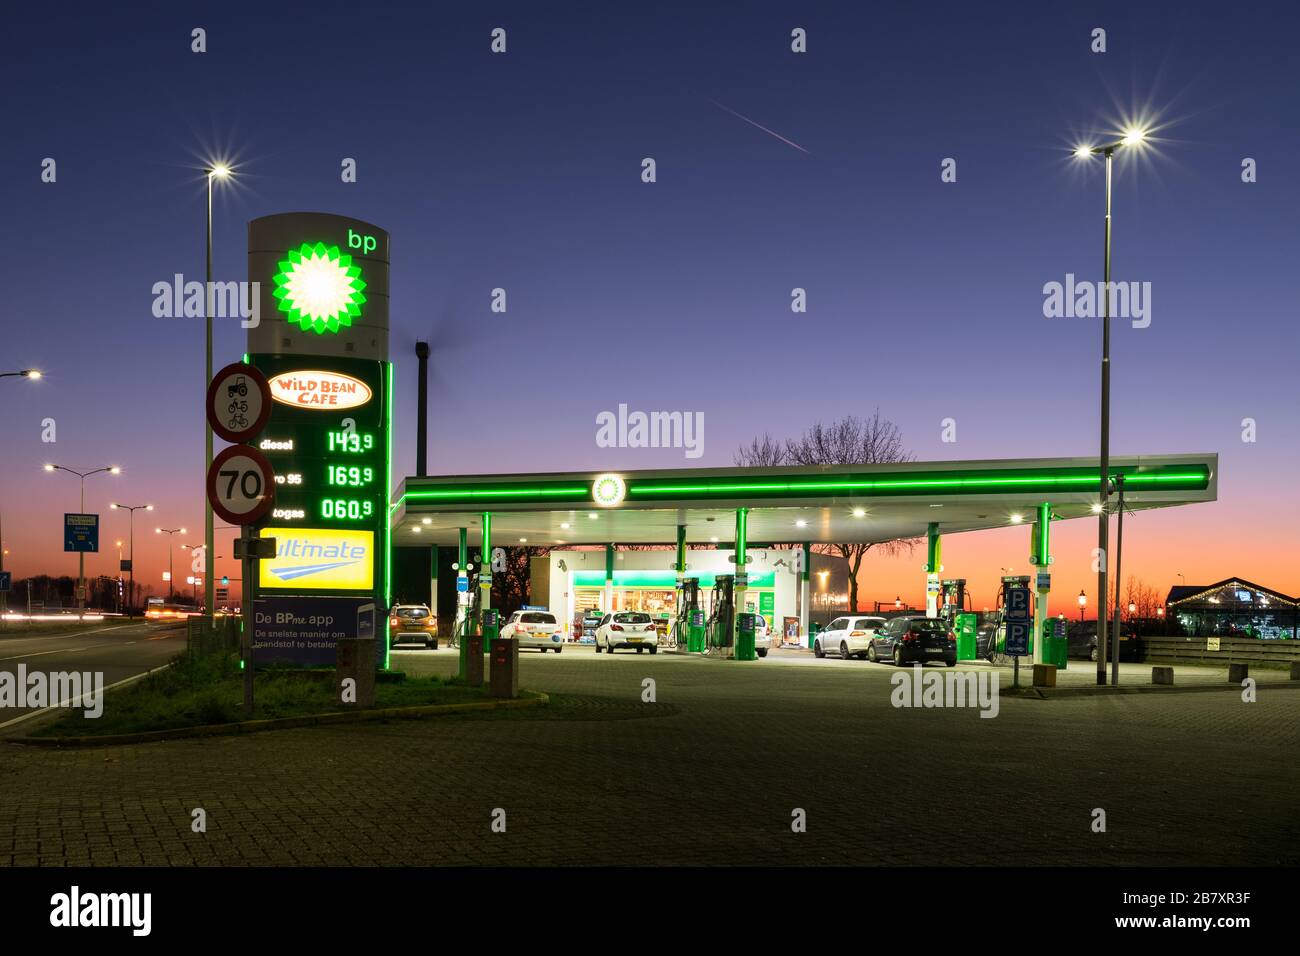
{"points": [[1234, 607]]}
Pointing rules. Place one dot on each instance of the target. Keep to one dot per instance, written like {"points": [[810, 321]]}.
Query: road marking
{"points": [[72, 704], [62, 650]]}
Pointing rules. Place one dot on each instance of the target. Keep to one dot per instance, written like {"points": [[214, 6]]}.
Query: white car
{"points": [[762, 636], [847, 636], [627, 629], [537, 629]]}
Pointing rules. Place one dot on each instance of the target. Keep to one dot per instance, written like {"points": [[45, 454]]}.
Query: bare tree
{"points": [[511, 587], [1145, 598], [846, 441]]}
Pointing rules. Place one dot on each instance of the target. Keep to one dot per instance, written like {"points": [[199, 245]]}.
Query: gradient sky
{"points": [[523, 171]]}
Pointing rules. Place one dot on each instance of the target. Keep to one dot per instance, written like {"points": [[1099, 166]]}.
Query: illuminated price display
{"points": [[351, 476], [325, 437], [350, 443]]}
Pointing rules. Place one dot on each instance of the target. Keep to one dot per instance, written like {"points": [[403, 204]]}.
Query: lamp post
{"points": [[1131, 138], [1083, 603], [29, 373], [132, 509], [194, 577], [215, 171], [81, 555], [171, 575]]}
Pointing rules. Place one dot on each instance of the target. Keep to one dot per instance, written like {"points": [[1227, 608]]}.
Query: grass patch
{"points": [[196, 691]]}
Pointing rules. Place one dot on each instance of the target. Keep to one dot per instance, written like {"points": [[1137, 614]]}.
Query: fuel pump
{"points": [[722, 619], [953, 591], [688, 629], [963, 625]]}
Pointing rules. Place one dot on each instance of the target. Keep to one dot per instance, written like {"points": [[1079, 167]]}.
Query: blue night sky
{"points": [[522, 171]]}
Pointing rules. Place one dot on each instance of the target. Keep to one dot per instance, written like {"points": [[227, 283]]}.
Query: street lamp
{"points": [[1083, 603], [171, 576], [81, 555], [132, 509], [1132, 137], [191, 548], [215, 171], [30, 373]]}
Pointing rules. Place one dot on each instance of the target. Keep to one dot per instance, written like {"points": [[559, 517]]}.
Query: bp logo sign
{"points": [[319, 289], [608, 490]]}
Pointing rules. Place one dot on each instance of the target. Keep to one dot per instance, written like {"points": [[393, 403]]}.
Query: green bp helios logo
{"points": [[319, 289]]}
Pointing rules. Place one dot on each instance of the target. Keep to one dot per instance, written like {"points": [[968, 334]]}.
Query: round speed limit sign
{"points": [[241, 485]]}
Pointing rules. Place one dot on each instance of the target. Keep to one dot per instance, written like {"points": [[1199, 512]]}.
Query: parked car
{"points": [[847, 636], [411, 624], [627, 629], [536, 629], [762, 636], [906, 640], [1081, 640]]}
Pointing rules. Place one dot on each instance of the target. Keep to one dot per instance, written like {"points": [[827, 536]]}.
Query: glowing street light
{"points": [[30, 373], [1132, 137], [132, 509], [171, 577], [1083, 603], [220, 171], [81, 555]]}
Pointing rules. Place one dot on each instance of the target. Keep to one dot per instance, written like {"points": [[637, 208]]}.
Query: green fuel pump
{"points": [[689, 626], [745, 636], [722, 620], [491, 627]]}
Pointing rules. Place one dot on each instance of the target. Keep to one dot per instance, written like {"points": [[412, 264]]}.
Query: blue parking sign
{"points": [[1019, 607], [1017, 644]]}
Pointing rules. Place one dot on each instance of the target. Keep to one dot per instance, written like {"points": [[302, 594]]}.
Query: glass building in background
{"points": [[1233, 608]]}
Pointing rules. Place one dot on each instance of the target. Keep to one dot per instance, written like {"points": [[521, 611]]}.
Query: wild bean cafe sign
{"points": [[317, 389]]}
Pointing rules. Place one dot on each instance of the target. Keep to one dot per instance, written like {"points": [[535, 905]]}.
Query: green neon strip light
{"points": [[582, 491], [1194, 479], [1172, 478], [385, 530]]}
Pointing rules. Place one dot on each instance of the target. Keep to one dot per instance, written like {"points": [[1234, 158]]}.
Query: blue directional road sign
{"points": [[80, 532], [5, 580]]}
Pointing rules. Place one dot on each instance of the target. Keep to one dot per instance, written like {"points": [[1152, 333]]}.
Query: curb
{"points": [[1047, 693], [283, 723]]}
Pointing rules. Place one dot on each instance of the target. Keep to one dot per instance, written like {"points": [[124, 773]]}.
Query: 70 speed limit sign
{"points": [[241, 485]]}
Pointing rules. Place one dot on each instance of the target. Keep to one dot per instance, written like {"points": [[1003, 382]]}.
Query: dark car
{"points": [[1081, 641], [906, 640]]}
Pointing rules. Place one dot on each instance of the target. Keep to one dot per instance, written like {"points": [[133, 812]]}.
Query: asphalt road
{"points": [[116, 649]]}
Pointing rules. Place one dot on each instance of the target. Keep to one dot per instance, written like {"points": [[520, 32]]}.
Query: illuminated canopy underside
{"points": [[898, 501]]}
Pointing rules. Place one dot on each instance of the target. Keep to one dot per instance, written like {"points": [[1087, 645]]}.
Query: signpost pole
{"points": [[246, 599]]}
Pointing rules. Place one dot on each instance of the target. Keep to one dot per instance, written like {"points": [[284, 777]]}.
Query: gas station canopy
{"points": [[790, 504]]}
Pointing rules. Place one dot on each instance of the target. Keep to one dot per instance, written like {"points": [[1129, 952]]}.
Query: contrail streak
{"points": [[760, 126]]}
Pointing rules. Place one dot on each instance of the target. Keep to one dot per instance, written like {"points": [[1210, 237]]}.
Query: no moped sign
{"points": [[239, 402]]}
